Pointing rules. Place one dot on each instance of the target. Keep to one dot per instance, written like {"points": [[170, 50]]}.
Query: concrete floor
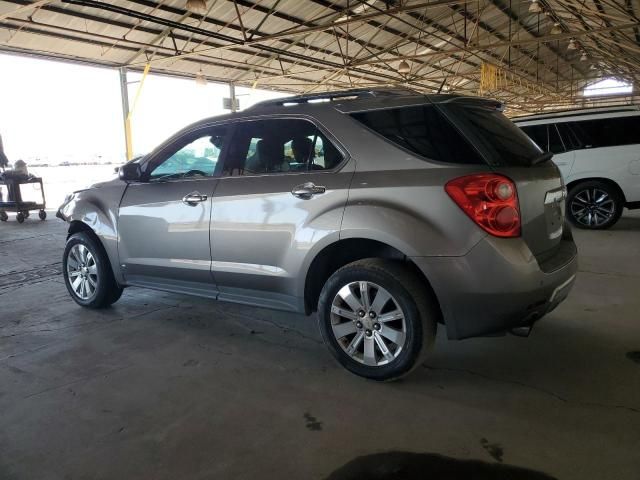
{"points": [[171, 387]]}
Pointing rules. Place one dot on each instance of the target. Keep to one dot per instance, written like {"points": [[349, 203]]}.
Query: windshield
{"points": [[504, 143]]}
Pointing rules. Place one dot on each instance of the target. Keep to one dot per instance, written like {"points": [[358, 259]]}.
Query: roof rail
{"points": [[334, 96]]}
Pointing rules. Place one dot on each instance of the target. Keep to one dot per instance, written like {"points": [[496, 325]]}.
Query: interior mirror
{"points": [[130, 172]]}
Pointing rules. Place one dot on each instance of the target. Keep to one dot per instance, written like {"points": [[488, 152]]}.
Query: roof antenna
{"points": [[442, 86]]}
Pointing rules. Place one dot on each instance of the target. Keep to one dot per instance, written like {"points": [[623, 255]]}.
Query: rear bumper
{"points": [[499, 285]]}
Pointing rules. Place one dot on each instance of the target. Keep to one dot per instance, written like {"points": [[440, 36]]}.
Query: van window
{"points": [[607, 132], [571, 140], [421, 130], [555, 142], [538, 133]]}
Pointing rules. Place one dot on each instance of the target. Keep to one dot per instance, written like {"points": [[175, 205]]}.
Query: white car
{"points": [[598, 153]]}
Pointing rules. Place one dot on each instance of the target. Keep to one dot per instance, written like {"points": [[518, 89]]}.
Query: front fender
{"points": [[97, 208]]}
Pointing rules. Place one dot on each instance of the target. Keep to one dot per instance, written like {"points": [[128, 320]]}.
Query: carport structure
{"points": [[532, 54]]}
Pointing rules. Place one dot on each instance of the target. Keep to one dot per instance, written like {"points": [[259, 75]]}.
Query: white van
{"points": [[598, 153]]}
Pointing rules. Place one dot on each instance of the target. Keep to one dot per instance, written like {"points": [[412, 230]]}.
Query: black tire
{"points": [[107, 291], [581, 202], [3, 216], [20, 217], [411, 296], [42, 214]]}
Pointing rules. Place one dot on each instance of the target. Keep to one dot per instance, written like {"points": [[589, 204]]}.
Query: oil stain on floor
{"points": [[422, 466], [634, 356]]}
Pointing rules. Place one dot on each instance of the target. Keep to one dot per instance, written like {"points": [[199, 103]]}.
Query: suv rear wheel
{"points": [[87, 272], [594, 205], [376, 318]]}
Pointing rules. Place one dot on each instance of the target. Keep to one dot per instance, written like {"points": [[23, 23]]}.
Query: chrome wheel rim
{"points": [[368, 323], [82, 272], [592, 207]]}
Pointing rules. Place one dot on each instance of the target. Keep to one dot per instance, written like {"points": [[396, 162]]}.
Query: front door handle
{"points": [[193, 198], [307, 190]]}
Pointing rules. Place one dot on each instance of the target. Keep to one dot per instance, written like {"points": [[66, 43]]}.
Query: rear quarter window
{"points": [[421, 130], [502, 141]]}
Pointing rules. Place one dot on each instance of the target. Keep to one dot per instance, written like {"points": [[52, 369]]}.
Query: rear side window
{"points": [[607, 132], [504, 143], [421, 130], [278, 146]]}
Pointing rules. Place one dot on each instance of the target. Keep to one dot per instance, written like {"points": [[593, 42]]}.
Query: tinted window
{"points": [[538, 133], [194, 155], [555, 142], [421, 130], [279, 146], [607, 132], [503, 141], [571, 140]]}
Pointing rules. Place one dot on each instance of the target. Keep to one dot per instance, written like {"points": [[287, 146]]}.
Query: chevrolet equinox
{"points": [[387, 212]]}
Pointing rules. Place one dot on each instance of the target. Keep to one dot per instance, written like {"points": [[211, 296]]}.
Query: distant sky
{"points": [[56, 111]]}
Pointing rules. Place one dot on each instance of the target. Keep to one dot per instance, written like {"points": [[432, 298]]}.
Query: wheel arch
{"points": [[344, 251]]}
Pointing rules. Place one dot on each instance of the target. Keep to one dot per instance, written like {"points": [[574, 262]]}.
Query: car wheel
{"points": [[20, 217], [87, 272], [42, 214], [594, 205], [377, 318], [3, 216]]}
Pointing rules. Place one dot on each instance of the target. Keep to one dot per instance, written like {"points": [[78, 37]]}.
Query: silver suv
{"points": [[385, 211]]}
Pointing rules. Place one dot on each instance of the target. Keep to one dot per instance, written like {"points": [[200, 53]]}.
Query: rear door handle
{"points": [[193, 198], [307, 190]]}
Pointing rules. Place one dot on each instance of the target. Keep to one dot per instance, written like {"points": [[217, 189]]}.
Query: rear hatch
{"points": [[512, 153]]}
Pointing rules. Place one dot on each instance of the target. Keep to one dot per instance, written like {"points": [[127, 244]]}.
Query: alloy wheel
{"points": [[368, 323], [82, 271], [592, 207]]}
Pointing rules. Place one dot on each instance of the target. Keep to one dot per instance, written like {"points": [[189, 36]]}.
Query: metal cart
{"points": [[14, 202]]}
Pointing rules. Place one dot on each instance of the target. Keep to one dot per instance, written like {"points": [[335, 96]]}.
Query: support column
{"points": [[232, 96], [124, 96]]}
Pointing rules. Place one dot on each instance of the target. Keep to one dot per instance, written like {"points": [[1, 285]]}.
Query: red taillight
{"points": [[490, 200]]}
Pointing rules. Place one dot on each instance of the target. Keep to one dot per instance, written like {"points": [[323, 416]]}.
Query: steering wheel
{"points": [[195, 172]]}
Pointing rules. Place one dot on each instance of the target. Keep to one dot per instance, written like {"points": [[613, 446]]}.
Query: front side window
{"points": [[279, 146], [555, 142], [196, 155], [423, 131]]}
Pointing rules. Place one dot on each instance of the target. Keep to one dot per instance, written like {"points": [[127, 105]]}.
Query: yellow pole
{"points": [[127, 122]]}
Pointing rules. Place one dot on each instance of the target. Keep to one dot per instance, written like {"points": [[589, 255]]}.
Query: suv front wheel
{"points": [[377, 318], [87, 272]]}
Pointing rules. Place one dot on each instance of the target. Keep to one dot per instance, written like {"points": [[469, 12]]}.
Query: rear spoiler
{"points": [[473, 102]]}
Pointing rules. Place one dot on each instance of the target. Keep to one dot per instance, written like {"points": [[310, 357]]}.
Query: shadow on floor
{"points": [[421, 466]]}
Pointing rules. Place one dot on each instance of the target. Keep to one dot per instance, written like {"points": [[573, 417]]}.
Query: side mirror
{"points": [[130, 172]]}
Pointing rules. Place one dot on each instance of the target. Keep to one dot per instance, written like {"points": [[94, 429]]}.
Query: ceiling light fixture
{"points": [[404, 67], [197, 6], [572, 45], [200, 78], [535, 7], [556, 29]]}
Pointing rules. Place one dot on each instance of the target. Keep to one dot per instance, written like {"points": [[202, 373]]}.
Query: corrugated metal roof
{"points": [[316, 45]]}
